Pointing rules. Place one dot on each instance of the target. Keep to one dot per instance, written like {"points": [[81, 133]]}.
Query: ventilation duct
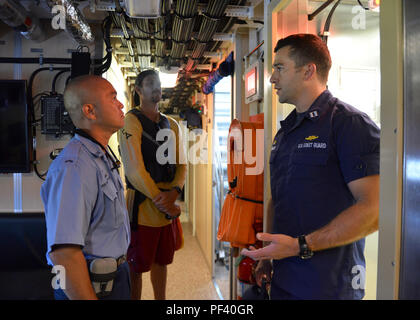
{"points": [[15, 15], [225, 69], [76, 25]]}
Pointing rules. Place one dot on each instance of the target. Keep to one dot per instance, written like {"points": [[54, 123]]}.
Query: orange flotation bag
{"points": [[240, 221], [242, 211], [246, 159]]}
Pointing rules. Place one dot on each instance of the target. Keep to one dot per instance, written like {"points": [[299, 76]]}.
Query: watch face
{"points": [[305, 252]]}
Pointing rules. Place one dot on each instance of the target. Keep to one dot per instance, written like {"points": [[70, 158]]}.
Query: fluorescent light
{"points": [[168, 80]]}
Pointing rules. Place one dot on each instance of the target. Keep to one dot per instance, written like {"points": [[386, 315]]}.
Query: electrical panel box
{"points": [[54, 117], [80, 64], [254, 82]]}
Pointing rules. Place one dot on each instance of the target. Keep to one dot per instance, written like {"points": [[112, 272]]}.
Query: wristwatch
{"points": [[304, 251], [178, 189]]}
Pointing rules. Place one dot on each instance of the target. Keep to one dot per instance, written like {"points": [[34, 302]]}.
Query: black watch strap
{"points": [[304, 251]]}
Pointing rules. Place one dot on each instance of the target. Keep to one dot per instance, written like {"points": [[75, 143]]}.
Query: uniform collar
{"points": [[91, 146], [317, 108]]}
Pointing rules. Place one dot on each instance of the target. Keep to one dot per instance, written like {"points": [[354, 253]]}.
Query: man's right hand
{"points": [[165, 202]]}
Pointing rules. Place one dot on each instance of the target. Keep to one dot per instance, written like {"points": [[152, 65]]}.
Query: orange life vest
{"points": [[242, 211]]}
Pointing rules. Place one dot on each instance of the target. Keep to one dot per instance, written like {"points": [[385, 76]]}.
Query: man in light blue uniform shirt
{"points": [[83, 195]]}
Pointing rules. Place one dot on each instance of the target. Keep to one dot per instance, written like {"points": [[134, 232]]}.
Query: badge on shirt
{"points": [[312, 143]]}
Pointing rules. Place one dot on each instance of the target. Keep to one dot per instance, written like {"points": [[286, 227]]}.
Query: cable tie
{"points": [[180, 42], [211, 17], [184, 17]]}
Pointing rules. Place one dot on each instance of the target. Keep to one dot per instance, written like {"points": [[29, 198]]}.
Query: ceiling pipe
{"points": [[76, 24]]}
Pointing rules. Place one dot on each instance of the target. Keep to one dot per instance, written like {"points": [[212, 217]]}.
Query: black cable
{"points": [[324, 35], [312, 15], [106, 32], [32, 114], [36, 60], [30, 84], [40, 175], [45, 93], [56, 77], [362, 5]]}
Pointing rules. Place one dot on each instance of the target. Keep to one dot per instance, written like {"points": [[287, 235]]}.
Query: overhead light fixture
{"points": [[143, 9], [168, 80]]}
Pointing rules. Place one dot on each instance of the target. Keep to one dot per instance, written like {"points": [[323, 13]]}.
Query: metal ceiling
{"points": [[187, 37]]}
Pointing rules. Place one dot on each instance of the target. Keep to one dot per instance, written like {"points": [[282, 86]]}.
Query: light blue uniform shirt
{"points": [[84, 202]]}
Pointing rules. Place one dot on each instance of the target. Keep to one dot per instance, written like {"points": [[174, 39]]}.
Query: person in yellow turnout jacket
{"points": [[155, 171]]}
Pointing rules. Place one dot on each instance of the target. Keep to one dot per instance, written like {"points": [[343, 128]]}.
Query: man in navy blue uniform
{"points": [[324, 171]]}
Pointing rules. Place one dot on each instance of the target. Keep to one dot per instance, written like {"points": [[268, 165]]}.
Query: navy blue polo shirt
{"points": [[312, 161]]}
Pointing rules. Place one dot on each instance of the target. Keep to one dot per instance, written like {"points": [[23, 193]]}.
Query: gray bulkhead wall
{"points": [[26, 196]]}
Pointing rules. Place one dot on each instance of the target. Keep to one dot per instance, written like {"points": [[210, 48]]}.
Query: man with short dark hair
{"points": [[86, 216], [154, 181], [324, 170]]}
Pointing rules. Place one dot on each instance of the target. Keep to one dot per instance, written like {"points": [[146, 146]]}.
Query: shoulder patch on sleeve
{"points": [[125, 133]]}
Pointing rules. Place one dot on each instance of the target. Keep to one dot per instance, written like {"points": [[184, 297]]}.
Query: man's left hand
{"points": [[281, 246]]}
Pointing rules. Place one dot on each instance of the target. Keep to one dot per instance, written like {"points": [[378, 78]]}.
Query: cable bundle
{"points": [[107, 60], [182, 28], [214, 12]]}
